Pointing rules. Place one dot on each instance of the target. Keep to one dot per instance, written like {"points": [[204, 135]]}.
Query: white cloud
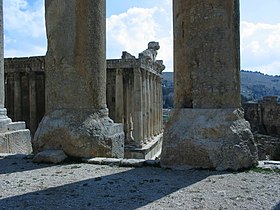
{"points": [[131, 31], [260, 47], [24, 28]]}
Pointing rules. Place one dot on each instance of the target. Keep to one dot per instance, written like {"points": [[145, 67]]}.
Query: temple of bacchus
{"points": [[129, 81], [207, 128]]}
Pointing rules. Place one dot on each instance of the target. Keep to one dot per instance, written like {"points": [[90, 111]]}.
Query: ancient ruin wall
{"points": [[264, 116], [25, 90]]}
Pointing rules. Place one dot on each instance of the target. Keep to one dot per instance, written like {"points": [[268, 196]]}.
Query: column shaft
{"points": [[137, 114], [144, 104], [76, 63], [119, 111], [206, 76]]}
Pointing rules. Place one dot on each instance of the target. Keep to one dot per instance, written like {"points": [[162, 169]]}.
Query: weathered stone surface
{"points": [[76, 119], [18, 141], [132, 162], [264, 116], [50, 156], [206, 54], [80, 134], [268, 147], [208, 138]]}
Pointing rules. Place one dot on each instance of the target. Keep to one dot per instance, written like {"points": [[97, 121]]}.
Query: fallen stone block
{"points": [[50, 156]]}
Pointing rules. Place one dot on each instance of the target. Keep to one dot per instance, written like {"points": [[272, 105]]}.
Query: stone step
{"points": [[15, 126]]}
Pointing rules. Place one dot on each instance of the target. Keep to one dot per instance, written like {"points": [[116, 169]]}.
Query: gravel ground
{"points": [[25, 185]]}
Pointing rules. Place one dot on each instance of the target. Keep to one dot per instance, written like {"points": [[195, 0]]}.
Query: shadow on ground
{"points": [[18, 163], [131, 189]]}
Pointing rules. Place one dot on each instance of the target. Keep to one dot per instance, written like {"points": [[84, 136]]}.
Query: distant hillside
{"points": [[254, 86]]}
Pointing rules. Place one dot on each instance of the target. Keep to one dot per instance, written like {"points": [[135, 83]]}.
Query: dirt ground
{"points": [[25, 185]]}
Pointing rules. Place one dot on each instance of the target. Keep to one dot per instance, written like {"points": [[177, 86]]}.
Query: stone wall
{"points": [[264, 116], [25, 90]]}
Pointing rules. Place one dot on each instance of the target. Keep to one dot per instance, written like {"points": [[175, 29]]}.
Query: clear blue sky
{"points": [[131, 24]]}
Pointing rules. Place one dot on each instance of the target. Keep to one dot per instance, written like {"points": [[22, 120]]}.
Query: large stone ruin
{"points": [[208, 129], [134, 98], [76, 119]]}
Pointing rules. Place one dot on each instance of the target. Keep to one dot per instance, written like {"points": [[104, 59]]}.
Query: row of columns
{"points": [[138, 104], [24, 97]]}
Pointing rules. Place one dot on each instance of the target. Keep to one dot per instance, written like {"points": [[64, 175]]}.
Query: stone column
{"points": [[154, 105], [151, 105], [159, 105], [138, 113], [207, 129], [4, 120], [76, 118], [17, 97], [119, 97], [144, 104], [32, 102], [148, 107], [14, 138]]}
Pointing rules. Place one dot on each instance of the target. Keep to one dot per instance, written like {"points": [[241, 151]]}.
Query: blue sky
{"points": [[131, 24]]}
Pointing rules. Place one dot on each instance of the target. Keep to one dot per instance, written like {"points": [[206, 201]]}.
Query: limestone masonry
{"points": [[207, 129], [76, 119]]}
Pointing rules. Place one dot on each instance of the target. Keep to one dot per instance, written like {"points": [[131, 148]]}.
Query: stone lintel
{"points": [[154, 68], [218, 139]]}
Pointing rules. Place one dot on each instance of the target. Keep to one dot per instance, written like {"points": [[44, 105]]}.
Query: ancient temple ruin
{"points": [[14, 137], [129, 81], [207, 130], [134, 98]]}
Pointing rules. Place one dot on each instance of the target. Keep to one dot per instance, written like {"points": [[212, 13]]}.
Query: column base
{"points": [[218, 139], [151, 150], [80, 133], [16, 139]]}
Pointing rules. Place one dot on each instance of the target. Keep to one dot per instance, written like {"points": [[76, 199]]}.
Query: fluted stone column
{"points": [[119, 96], [154, 105], [76, 118], [137, 114], [159, 99], [14, 138], [207, 129], [144, 104], [149, 104]]}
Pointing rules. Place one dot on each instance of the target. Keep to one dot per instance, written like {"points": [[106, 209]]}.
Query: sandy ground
{"points": [[25, 185]]}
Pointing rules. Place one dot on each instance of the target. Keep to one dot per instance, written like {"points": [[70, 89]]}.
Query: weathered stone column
{"points": [[32, 102], [148, 105], [155, 106], [144, 104], [137, 114], [4, 120], [152, 105], [119, 97], [76, 118], [207, 129], [14, 138], [159, 105], [17, 97]]}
